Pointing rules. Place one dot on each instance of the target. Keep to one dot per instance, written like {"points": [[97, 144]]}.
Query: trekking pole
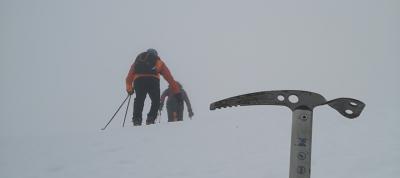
{"points": [[126, 111], [115, 113]]}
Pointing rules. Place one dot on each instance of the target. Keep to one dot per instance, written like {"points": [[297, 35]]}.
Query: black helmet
{"points": [[152, 51]]}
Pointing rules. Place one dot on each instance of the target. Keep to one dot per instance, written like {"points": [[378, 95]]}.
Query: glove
{"points": [[191, 114], [130, 91]]}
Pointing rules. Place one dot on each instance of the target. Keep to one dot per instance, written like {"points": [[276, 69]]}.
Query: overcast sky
{"points": [[63, 63]]}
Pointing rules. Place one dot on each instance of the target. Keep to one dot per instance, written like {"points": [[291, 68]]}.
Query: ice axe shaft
{"points": [[300, 148], [302, 104]]}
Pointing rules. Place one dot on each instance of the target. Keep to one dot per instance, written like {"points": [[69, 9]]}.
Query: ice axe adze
{"points": [[302, 104]]}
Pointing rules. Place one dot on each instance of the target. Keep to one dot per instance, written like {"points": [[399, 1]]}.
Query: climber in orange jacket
{"points": [[144, 78]]}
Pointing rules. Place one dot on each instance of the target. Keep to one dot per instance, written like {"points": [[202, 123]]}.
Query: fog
{"points": [[64, 63]]}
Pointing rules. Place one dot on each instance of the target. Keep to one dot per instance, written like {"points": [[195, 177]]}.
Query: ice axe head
{"points": [[293, 99]]}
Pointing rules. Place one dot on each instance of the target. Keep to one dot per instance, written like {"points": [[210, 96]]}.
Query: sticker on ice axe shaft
{"points": [[301, 170], [302, 142], [302, 104], [302, 156]]}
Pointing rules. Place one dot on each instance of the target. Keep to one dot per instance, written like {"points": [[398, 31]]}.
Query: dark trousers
{"points": [[144, 86], [175, 110]]}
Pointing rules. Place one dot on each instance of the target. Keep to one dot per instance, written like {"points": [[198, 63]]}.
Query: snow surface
{"points": [[214, 147]]}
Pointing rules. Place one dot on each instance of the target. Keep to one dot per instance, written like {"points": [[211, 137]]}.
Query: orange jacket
{"points": [[161, 68]]}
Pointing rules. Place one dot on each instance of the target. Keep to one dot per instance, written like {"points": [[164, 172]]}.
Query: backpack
{"points": [[145, 63]]}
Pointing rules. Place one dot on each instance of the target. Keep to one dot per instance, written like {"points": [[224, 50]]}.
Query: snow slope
{"points": [[214, 147]]}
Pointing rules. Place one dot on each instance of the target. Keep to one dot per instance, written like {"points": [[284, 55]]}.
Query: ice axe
{"points": [[302, 104]]}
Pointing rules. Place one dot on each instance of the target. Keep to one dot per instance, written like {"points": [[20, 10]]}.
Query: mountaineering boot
{"points": [[150, 120], [137, 121]]}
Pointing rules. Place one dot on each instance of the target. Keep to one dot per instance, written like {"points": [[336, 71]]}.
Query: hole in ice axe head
{"points": [[348, 107]]}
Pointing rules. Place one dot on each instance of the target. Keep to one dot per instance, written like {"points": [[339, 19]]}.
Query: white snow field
{"points": [[206, 147]]}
